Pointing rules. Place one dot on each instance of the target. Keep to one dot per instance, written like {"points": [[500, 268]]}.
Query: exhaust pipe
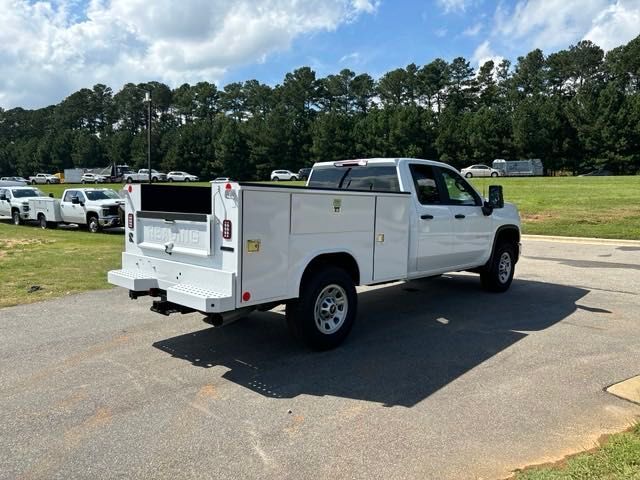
{"points": [[219, 319]]}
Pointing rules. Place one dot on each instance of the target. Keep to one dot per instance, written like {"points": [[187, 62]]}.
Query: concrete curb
{"points": [[583, 240]]}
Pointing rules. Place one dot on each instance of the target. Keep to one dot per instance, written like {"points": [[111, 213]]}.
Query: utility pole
{"points": [[147, 100]]}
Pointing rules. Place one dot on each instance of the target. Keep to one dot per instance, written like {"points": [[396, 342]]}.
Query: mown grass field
{"points": [[58, 261], [605, 207], [617, 459], [65, 261]]}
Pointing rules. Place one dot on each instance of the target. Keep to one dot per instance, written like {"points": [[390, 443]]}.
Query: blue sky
{"points": [[52, 48]]}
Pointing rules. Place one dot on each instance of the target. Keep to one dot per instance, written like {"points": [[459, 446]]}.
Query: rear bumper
{"points": [[204, 289]]}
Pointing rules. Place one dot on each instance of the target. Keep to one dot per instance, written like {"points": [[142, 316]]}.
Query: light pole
{"points": [[147, 100]]}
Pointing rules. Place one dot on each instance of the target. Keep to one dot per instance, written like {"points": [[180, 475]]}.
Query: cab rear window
{"points": [[378, 178]]}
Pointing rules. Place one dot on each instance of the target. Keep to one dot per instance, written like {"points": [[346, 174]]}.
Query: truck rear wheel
{"points": [[42, 221], [325, 312], [15, 217], [497, 275]]}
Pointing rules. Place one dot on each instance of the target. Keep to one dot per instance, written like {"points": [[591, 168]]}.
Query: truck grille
{"points": [[114, 210]]}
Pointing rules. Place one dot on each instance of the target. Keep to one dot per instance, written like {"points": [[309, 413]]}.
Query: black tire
{"points": [[493, 276], [468, 175], [154, 179], [129, 180], [33, 182], [83, 182], [275, 179], [187, 179], [494, 174], [301, 313], [96, 182], [294, 178], [42, 221], [48, 182], [93, 225], [15, 217]]}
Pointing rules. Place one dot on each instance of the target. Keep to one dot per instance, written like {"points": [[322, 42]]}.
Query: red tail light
{"points": [[226, 229], [130, 221]]}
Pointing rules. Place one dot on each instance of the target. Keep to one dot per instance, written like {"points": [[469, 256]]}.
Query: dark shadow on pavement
{"points": [[409, 341]]}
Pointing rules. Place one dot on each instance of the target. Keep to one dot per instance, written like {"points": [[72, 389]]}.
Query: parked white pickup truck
{"points": [[14, 202], [143, 176], [42, 178], [94, 207], [233, 247]]}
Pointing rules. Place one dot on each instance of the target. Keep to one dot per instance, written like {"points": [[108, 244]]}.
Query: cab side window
{"points": [[458, 191], [424, 180], [69, 195]]}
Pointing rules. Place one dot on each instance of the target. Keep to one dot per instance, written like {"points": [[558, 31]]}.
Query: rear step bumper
{"points": [[185, 295]]}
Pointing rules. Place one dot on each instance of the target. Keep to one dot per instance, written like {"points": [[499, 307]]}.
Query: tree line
{"points": [[577, 109]]}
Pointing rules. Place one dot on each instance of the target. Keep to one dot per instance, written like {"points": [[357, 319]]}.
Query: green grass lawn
{"points": [[605, 207], [617, 459], [58, 261]]}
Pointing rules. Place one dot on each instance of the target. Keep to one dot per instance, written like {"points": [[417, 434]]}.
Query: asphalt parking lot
{"points": [[438, 380]]}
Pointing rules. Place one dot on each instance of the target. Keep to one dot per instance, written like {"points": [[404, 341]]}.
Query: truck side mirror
{"points": [[75, 200], [3, 197], [496, 198]]}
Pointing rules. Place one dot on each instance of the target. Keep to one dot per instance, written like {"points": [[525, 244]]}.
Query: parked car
{"points": [[42, 178], [359, 222], [181, 177], [278, 175], [94, 207], [480, 171], [14, 202], [303, 173], [94, 178], [143, 176], [22, 180], [222, 179]]}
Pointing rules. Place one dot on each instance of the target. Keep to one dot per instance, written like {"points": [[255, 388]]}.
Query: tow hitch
{"points": [[167, 308]]}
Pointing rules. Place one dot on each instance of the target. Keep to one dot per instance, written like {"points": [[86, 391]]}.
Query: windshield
{"points": [[380, 178], [28, 192], [101, 194]]}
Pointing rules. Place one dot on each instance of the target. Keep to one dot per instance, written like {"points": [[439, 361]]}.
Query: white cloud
{"points": [[50, 49], [616, 25], [454, 5], [352, 57], [555, 24], [483, 53], [473, 30]]}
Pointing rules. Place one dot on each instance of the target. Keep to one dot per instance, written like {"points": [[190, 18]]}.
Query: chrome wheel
{"points": [[331, 309], [504, 267], [94, 226]]}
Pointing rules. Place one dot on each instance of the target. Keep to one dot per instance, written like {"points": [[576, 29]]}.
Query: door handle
{"points": [[426, 216], [459, 215]]}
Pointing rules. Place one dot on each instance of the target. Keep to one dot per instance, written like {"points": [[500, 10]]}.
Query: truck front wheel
{"points": [[325, 312], [93, 224], [15, 217], [129, 180], [497, 275]]}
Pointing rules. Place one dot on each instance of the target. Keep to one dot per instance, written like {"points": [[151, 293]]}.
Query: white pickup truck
{"points": [[94, 207], [14, 201], [143, 176], [42, 178], [233, 247]]}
